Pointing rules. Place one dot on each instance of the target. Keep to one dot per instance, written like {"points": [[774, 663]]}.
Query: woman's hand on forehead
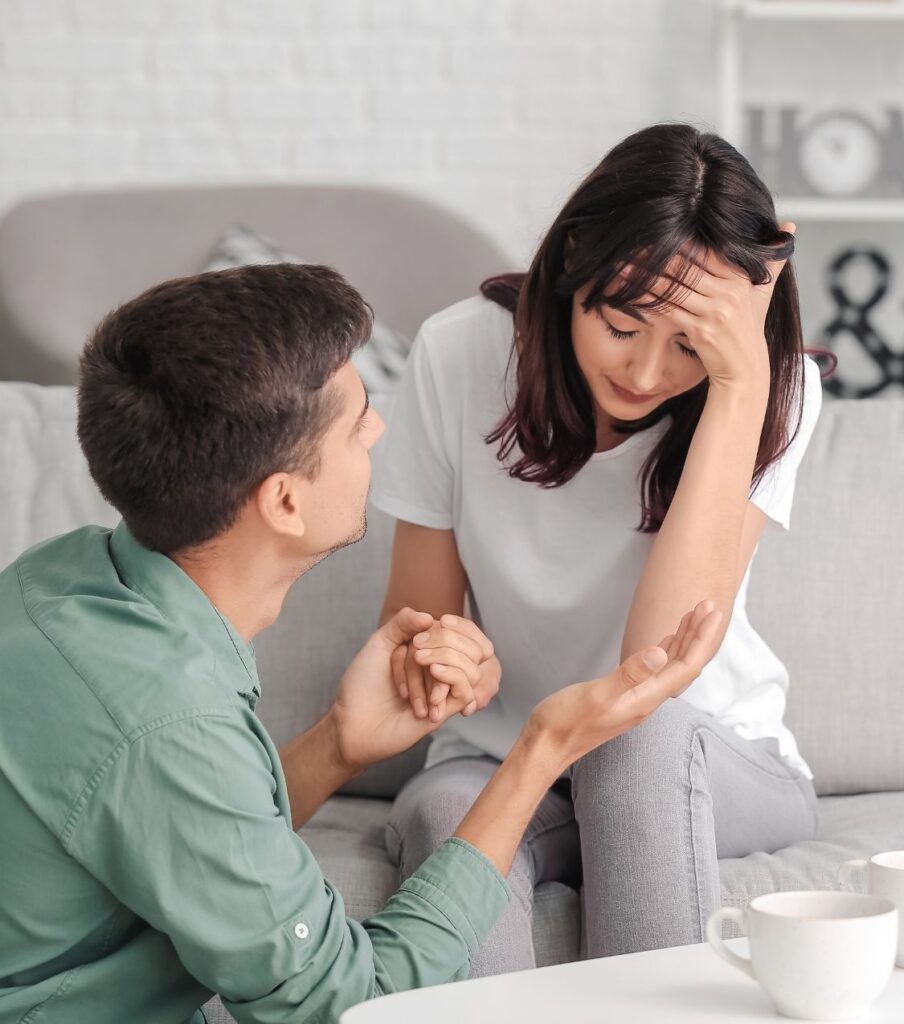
{"points": [[689, 269], [721, 311]]}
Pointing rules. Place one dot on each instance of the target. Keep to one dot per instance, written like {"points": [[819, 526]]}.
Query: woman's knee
{"points": [[647, 751], [429, 810], [436, 816]]}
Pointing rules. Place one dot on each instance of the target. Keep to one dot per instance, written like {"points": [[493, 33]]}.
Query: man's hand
{"points": [[575, 720], [372, 720], [452, 657]]}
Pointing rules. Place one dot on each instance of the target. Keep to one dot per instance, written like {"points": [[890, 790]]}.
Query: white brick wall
{"points": [[493, 107]]}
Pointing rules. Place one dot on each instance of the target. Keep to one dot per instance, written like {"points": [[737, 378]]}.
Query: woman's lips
{"points": [[630, 396]]}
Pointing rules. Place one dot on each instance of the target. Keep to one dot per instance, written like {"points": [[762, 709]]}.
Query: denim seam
{"points": [[773, 776], [692, 836]]}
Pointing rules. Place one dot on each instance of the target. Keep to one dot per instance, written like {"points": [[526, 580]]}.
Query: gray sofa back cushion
{"points": [[828, 596]]}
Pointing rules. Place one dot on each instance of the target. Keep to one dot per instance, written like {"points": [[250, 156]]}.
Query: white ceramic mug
{"points": [[818, 955], [884, 876]]}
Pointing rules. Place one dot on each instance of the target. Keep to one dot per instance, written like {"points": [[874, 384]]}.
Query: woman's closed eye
{"points": [[623, 335], [619, 334]]}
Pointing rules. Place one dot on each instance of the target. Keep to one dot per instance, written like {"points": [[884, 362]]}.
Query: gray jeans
{"points": [[644, 821]]}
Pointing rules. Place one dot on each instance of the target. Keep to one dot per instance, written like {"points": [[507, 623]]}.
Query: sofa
{"points": [[828, 596]]}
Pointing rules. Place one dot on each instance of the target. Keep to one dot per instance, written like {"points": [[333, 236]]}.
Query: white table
{"points": [[687, 983]]}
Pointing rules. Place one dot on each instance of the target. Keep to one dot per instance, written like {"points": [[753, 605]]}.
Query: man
{"points": [[147, 857]]}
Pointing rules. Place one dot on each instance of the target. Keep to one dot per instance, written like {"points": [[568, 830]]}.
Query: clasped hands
{"points": [[446, 669]]}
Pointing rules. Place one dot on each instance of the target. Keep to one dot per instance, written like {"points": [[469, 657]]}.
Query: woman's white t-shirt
{"points": [[552, 572]]}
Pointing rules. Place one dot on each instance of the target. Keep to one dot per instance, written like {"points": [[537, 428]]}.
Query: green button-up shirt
{"points": [[147, 857]]}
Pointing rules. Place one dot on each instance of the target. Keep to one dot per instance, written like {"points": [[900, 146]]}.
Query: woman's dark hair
{"points": [[666, 187], [193, 393]]}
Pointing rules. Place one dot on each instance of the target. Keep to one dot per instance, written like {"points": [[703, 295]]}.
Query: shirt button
{"points": [[301, 930]]}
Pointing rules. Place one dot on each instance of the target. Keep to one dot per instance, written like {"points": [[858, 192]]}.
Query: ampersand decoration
{"points": [[852, 321]]}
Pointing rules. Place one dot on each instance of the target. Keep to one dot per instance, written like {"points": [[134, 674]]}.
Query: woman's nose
{"points": [[645, 374]]}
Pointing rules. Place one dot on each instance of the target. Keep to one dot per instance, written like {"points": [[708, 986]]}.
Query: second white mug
{"points": [[818, 955], [884, 875]]}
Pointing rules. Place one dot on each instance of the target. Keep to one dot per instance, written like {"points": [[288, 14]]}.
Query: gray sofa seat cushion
{"points": [[849, 826], [346, 836]]}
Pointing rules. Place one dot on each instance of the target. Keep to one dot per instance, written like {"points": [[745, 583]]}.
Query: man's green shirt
{"points": [[147, 857]]}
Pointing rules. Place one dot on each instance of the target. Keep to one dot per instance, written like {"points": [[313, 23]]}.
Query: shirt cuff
{"points": [[463, 886]]}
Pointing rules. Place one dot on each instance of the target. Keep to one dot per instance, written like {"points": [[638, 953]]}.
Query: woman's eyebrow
{"points": [[633, 312]]}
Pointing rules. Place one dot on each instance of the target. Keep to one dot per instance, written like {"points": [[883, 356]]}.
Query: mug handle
{"points": [[848, 870], [714, 938]]}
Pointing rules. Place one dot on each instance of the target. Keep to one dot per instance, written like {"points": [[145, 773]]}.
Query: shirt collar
{"points": [[158, 579]]}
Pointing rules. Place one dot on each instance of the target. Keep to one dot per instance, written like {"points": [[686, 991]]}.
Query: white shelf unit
{"points": [[813, 208], [803, 10], [731, 17]]}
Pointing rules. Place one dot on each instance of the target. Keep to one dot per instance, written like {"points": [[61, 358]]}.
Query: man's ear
{"points": [[278, 501]]}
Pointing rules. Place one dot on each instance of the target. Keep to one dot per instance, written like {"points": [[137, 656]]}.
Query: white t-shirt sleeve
{"points": [[774, 493], [413, 472]]}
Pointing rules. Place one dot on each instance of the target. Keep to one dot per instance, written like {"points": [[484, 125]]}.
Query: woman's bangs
{"points": [[647, 280]]}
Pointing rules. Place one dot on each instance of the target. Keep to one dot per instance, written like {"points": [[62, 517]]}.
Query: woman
{"points": [[584, 473]]}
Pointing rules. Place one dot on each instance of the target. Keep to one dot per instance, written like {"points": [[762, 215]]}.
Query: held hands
{"points": [[452, 660], [723, 315], [575, 720], [373, 721]]}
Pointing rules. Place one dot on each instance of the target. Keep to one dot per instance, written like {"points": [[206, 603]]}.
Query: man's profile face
{"points": [[336, 515]]}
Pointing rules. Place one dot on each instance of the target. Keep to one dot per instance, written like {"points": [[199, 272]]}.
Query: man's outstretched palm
{"points": [[579, 718]]}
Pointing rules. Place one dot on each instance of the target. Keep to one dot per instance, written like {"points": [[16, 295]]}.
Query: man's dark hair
{"points": [[199, 389]]}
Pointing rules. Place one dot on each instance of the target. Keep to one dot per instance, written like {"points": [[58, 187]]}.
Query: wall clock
{"points": [[840, 153]]}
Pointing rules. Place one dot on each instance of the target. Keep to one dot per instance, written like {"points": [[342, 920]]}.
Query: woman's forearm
{"points": [[426, 573], [695, 553]]}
